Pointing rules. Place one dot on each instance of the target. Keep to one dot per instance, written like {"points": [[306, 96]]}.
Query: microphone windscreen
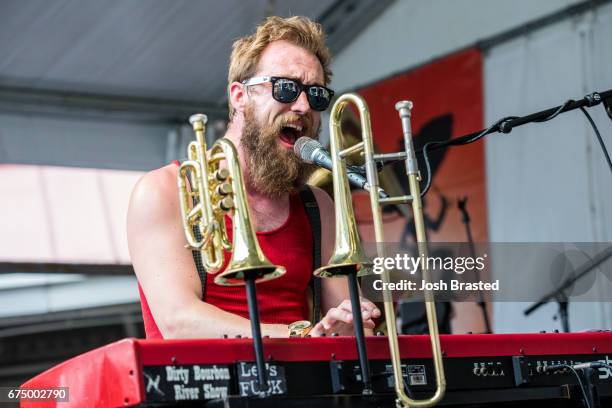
{"points": [[305, 147]]}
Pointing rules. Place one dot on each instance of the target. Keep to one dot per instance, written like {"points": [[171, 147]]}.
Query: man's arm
{"points": [[335, 298], [166, 270]]}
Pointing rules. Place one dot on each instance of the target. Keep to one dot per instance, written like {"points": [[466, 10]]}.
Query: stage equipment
{"points": [[211, 187], [484, 370], [559, 293], [465, 218], [349, 258]]}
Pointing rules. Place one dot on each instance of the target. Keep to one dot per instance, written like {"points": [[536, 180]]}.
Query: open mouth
{"points": [[290, 133]]}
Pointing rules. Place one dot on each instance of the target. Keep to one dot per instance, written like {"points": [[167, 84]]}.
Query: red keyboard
{"points": [[479, 369]]}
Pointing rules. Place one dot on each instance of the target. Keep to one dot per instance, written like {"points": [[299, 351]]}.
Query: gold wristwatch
{"points": [[300, 328]]}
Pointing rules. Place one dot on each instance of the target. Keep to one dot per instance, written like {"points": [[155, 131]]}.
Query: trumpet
{"points": [[348, 250], [209, 189]]}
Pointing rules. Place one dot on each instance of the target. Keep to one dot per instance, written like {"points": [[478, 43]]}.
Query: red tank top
{"points": [[282, 300]]}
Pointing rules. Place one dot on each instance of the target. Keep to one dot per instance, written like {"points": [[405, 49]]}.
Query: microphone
{"points": [[311, 151]]}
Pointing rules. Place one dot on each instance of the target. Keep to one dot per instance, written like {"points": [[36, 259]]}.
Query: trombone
{"points": [[348, 250]]}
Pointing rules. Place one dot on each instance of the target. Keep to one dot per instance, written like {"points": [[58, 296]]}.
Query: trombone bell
{"points": [[348, 252]]}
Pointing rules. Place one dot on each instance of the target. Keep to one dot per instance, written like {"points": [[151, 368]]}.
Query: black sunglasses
{"points": [[287, 90]]}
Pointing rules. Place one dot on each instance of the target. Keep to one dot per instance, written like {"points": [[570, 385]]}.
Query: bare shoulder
{"points": [[155, 194], [154, 208], [156, 241]]}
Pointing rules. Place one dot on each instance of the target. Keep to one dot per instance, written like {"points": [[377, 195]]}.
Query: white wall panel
{"points": [[412, 32], [72, 141], [549, 182]]}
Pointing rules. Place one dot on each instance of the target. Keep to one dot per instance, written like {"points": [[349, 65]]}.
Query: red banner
{"points": [[448, 102]]}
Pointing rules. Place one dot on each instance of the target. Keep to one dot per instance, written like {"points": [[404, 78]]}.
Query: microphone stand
{"points": [[563, 314], [608, 105], [462, 205], [506, 126], [262, 374], [559, 293], [364, 363]]}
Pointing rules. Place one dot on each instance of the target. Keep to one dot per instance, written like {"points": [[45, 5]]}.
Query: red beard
{"points": [[273, 169]]}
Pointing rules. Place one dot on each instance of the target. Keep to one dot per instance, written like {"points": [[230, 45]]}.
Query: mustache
{"points": [[306, 122]]}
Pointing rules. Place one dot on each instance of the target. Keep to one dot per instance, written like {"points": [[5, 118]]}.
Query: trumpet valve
{"points": [[223, 189], [226, 204], [221, 175]]}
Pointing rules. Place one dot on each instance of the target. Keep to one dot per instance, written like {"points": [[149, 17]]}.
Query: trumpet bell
{"points": [[236, 273], [247, 257]]}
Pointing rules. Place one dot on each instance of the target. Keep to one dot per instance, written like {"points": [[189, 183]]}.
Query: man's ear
{"points": [[238, 96]]}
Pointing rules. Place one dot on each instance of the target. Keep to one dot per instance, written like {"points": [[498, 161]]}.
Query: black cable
{"points": [[573, 370], [557, 112], [407, 390], [428, 166], [601, 142], [463, 141], [586, 399]]}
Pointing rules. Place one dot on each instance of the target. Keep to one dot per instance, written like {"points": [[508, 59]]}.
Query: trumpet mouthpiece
{"points": [[198, 117]]}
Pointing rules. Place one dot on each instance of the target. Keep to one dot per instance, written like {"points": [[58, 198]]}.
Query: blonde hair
{"points": [[300, 31]]}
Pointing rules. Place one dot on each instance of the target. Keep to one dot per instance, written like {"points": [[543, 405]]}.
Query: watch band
{"points": [[300, 328]]}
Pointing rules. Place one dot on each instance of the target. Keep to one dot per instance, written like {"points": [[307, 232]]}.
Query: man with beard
{"points": [[276, 91]]}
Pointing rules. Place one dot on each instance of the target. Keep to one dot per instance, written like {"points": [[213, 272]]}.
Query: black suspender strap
{"points": [[197, 255], [197, 258], [312, 212]]}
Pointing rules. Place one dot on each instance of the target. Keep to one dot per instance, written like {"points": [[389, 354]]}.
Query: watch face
{"points": [[300, 325]]}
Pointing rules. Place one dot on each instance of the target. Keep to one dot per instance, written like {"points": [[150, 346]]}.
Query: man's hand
{"points": [[340, 319]]}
